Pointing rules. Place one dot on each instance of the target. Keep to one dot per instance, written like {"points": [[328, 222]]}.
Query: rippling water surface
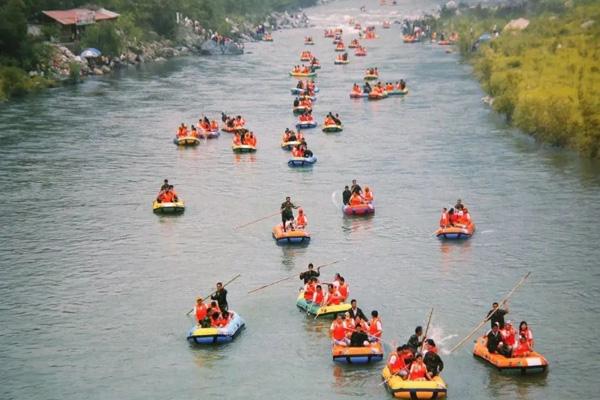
{"points": [[94, 287]]}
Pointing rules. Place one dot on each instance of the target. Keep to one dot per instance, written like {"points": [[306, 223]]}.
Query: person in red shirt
{"points": [[318, 296], [523, 348]]}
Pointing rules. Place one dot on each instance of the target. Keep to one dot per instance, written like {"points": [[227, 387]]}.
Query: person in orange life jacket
{"points": [[338, 332], [368, 195], [237, 140], [214, 307], [496, 315], [494, 342], [200, 310], [414, 341], [349, 323], [509, 335], [311, 273], [465, 219], [355, 311], [452, 217], [432, 360], [301, 220], [343, 289], [418, 370], [396, 363], [215, 319], [332, 296], [297, 152], [182, 130], [526, 332], [359, 338], [286, 211], [310, 288], [252, 139], [336, 280], [355, 199], [220, 296], [224, 320], [318, 297], [194, 132], [444, 220], [214, 125], [375, 328], [523, 348], [167, 196]]}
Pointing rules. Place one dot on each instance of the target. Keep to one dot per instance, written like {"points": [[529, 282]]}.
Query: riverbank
{"points": [[36, 62], [539, 66]]}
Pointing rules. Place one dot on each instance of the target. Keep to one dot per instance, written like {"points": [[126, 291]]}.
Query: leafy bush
{"points": [[104, 37]]}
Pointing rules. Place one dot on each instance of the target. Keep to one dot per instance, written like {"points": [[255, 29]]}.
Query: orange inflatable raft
{"points": [[357, 355], [533, 363], [297, 236], [458, 231]]}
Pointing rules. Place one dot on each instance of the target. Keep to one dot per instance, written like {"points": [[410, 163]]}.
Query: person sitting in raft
{"points": [[523, 348], [356, 199], [356, 89], [182, 131], [432, 360], [297, 152], [215, 319], [310, 273], [368, 195], [375, 328], [214, 307], [444, 219], [355, 311], [452, 217], [509, 336], [494, 341], [343, 289], [496, 315], [287, 213], [359, 338], [220, 296], [367, 88], [310, 288], [349, 324], [389, 87], [239, 122], [346, 194], [318, 296], [194, 132], [214, 125], [251, 139], [332, 297], [237, 139], [465, 218], [418, 370], [200, 310], [329, 121], [414, 341], [168, 196], [396, 362], [526, 332], [301, 220], [338, 332], [224, 320]]}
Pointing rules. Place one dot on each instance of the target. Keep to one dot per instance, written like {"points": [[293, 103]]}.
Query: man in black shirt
{"points": [[220, 296], [494, 339], [311, 273], [413, 341], [496, 315], [358, 337], [286, 211], [346, 195], [355, 188], [432, 360], [355, 311]]}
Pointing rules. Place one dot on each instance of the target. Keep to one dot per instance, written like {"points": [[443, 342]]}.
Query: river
{"points": [[94, 287]]}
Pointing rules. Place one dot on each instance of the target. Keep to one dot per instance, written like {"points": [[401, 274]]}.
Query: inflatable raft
{"points": [[360, 53], [357, 355], [340, 48], [354, 95], [320, 311], [532, 364], [301, 110], [234, 130], [305, 58], [378, 96], [456, 232], [297, 91], [210, 134], [341, 62], [243, 148], [303, 74], [309, 42], [290, 145], [198, 335], [370, 77], [186, 141], [168, 208], [297, 236], [360, 209], [302, 161], [306, 125], [405, 389], [398, 92], [333, 128]]}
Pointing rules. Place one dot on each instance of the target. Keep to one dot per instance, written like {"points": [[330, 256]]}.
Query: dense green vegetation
{"points": [[140, 20], [546, 78]]}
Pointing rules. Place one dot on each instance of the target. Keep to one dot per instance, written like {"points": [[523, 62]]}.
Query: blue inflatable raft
{"points": [[198, 335], [302, 162]]}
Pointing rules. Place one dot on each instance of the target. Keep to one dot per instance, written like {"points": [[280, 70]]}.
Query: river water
{"points": [[94, 287]]}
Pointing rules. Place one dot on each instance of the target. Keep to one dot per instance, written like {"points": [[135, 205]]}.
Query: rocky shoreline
{"points": [[191, 39]]}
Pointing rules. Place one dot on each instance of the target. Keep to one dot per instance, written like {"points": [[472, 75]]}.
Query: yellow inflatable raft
{"points": [[297, 236], [168, 208], [321, 311], [405, 389], [533, 363]]}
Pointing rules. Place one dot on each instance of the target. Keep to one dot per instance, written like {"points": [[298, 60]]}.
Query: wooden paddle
{"points": [[227, 283], [290, 277], [257, 220], [487, 318]]}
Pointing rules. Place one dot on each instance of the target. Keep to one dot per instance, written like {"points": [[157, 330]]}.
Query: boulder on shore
{"points": [[212, 48]]}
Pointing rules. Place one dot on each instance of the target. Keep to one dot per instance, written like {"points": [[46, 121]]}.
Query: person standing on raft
{"points": [[496, 315], [220, 296], [346, 195], [311, 273], [287, 214]]}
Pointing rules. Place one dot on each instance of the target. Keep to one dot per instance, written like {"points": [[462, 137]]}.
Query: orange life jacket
{"points": [[369, 196], [337, 330], [343, 289], [417, 371], [398, 364], [237, 141], [167, 197], [333, 298], [373, 329], [318, 297], [523, 349], [309, 291], [355, 200], [444, 220], [214, 125], [301, 220], [201, 312]]}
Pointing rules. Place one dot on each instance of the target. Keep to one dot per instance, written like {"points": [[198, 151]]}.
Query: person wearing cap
{"points": [[432, 360], [496, 315], [311, 273], [200, 310]]}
